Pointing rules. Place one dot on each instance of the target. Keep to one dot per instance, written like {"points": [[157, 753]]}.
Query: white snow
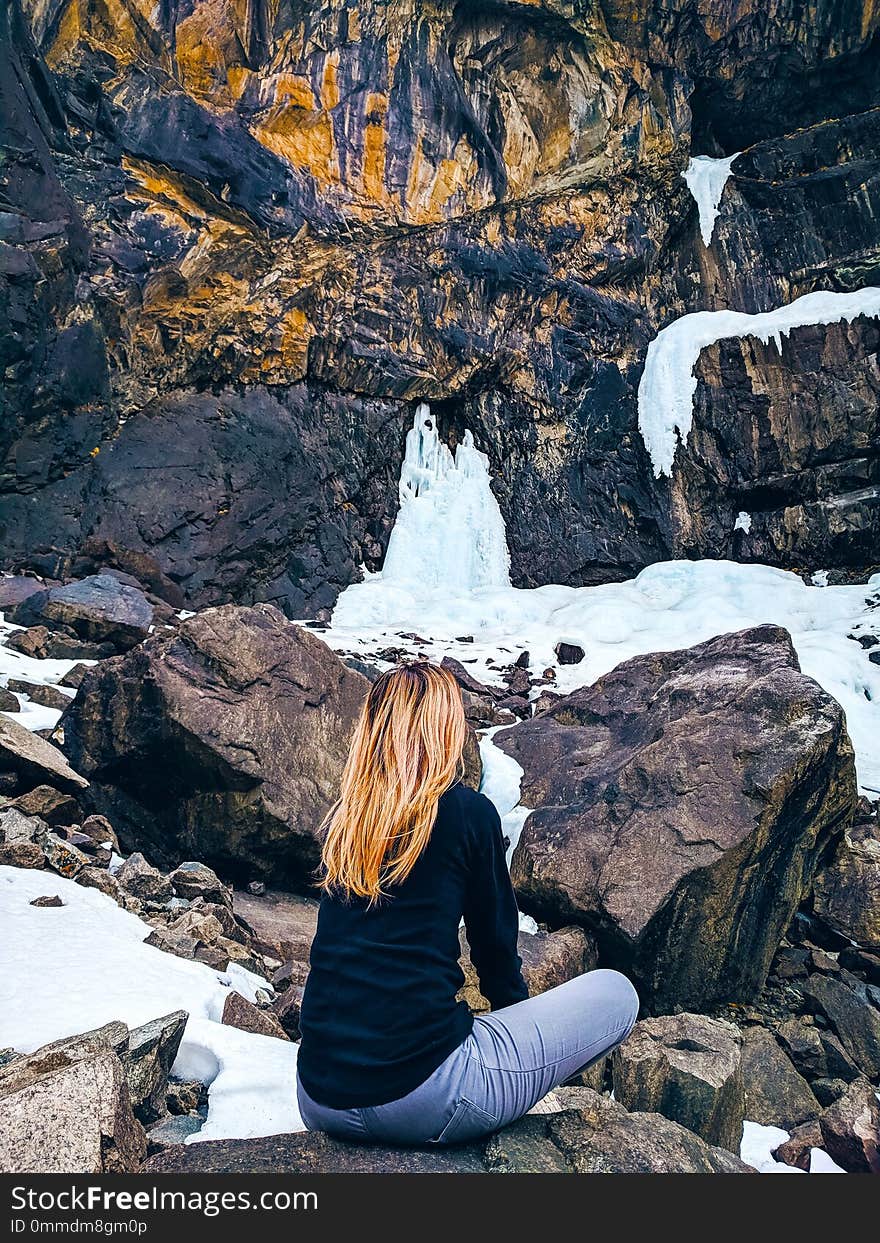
{"points": [[449, 532], [743, 522], [668, 383], [706, 179], [501, 780], [758, 1143], [45, 672], [673, 604], [69, 969]]}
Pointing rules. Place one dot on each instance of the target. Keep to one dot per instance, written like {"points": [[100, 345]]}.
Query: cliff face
{"points": [[242, 237]]}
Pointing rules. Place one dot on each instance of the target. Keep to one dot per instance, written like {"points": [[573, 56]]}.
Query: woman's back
{"points": [[379, 1012]]}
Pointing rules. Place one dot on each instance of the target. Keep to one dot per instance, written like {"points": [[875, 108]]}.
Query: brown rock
{"points": [[47, 900], [243, 716], [548, 958], [851, 1015], [196, 880], [34, 759], [846, 895], [688, 1068], [851, 1129], [241, 1013], [283, 922], [775, 1094], [680, 888], [797, 1149], [101, 831], [143, 881], [288, 1007], [47, 803], [61, 1115], [40, 693]]}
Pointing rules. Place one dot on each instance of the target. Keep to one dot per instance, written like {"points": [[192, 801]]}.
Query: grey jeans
{"points": [[511, 1059]]}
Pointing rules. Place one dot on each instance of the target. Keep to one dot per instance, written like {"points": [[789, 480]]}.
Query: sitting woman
{"points": [[388, 1055]]}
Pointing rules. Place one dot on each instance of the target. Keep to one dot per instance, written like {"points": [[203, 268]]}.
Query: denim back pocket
{"points": [[468, 1122]]}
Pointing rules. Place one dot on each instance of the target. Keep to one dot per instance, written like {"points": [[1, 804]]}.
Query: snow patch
{"points": [[706, 179], [743, 522], [668, 383], [72, 968]]}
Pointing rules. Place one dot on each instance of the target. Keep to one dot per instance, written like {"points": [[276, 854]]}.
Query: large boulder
{"points": [[97, 609], [222, 741], [688, 1068], [681, 805], [843, 1002], [846, 894], [598, 1136], [548, 959], [66, 1109], [775, 1093], [851, 1129], [33, 761]]}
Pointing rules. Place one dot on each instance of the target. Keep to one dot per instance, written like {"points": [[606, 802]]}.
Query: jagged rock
{"points": [[34, 760], [846, 894], [63, 857], [73, 678], [39, 693], [852, 1017], [196, 880], [775, 1094], [600, 1137], [243, 1014], [98, 878], [284, 923], [798, 1148], [597, 1137], [186, 1096], [197, 925], [802, 1042], [17, 825], [148, 1059], [43, 644], [569, 653], [97, 609], [548, 958], [678, 888], [688, 1068], [47, 803], [851, 1129], [287, 1008], [244, 717], [8, 701], [139, 878], [15, 588], [827, 1091], [47, 900], [65, 1109], [862, 963], [21, 854], [180, 945], [100, 831]]}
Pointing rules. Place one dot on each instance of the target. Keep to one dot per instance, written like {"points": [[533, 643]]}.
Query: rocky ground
{"points": [[749, 919]]}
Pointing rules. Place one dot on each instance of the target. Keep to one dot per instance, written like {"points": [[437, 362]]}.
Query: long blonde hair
{"points": [[406, 751]]}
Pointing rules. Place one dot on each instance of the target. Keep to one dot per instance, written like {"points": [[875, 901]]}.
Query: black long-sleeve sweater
{"points": [[379, 1013]]}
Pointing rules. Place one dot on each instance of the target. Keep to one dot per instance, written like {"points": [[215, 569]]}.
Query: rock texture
{"points": [[322, 214], [846, 894], [682, 803], [597, 1137], [688, 1068], [548, 959], [30, 760], [222, 741], [66, 1110]]}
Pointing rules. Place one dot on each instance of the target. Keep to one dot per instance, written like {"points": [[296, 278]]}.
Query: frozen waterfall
{"points": [[449, 532], [706, 179]]}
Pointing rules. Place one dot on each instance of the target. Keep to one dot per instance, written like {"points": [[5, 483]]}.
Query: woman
{"points": [[387, 1053]]}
